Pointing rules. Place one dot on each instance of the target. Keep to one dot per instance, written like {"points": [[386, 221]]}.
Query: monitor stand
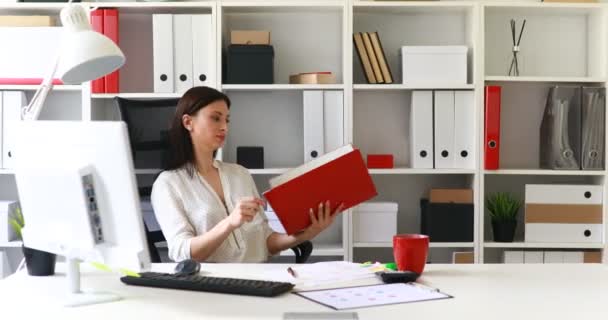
{"points": [[76, 297]]}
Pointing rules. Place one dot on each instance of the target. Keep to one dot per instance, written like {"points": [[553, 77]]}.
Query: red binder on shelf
{"points": [[339, 176], [110, 29], [492, 127], [98, 85]]}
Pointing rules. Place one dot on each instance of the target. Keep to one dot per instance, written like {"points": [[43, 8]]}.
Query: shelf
{"points": [[156, 6], [35, 87], [525, 245], [277, 6], [546, 8], [431, 245], [134, 95], [544, 79], [411, 7], [546, 172], [7, 171], [412, 86], [11, 244], [421, 171], [279, 87], [320, 250]]}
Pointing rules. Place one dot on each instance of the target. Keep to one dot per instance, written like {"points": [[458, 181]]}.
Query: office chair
{"points": [[147, 123]]}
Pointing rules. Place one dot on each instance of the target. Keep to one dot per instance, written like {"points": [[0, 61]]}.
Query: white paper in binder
{"points": [[444, 129], [182, 54], [12, 102], [464, 129], [162, 44], [203, 50], [573, 256], [313, 125], [333, 115], [554, 257], [421, 130]]}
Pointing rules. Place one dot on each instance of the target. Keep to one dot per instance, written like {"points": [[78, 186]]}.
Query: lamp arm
{"points": [[32, 110]]}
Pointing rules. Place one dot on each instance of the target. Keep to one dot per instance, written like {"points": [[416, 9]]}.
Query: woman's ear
{"points": [[187, 122]]}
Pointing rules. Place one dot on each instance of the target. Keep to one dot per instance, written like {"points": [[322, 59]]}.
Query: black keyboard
{"points": [[209, 284]]}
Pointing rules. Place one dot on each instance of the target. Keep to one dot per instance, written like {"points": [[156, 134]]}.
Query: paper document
{"points": [[324, 273], [374, 295]]}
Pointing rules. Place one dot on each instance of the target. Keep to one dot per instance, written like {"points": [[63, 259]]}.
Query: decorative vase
{"points": [[39, 263], [504, 231]]}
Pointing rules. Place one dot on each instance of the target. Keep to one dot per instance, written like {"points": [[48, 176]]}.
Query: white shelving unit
{"points": [[563, 44]]}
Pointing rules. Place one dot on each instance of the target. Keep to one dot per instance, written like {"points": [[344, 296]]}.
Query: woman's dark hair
{"points": [[181, 151]]}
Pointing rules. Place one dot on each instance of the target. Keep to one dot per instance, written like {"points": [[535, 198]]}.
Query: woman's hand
{"points": [[322, 220], [244, 211]]}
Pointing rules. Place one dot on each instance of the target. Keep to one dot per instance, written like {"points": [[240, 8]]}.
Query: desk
{"points": [[550, 291]]}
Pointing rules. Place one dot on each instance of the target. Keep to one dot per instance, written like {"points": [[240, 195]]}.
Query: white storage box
{"points": [[375, 222], [7, 209], [434, 64]]}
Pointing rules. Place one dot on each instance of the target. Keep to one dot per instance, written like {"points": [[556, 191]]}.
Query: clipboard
{"points": [[373, 295]]}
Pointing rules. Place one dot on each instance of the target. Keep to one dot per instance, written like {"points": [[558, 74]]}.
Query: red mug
{"points": [[410, 251]]}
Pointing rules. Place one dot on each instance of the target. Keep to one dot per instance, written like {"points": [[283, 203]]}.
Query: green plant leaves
{"points": [[503, 206]]}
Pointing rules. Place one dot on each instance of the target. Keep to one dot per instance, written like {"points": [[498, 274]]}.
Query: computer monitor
{"points": [[79, 197]]}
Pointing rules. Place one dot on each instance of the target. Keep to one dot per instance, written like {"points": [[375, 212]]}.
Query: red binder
{"points": [[110, 29], [492, 127], [98, 85], [338, 176]]}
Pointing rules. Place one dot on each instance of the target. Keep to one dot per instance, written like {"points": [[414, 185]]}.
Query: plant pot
{"points": [[504, 231], [39, 263]]}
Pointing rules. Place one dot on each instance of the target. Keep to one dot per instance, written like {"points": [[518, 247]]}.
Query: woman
{"points": [[209, 210]]}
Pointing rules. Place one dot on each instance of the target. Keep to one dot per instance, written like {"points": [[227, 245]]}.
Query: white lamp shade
{"points": [[87, 55]]}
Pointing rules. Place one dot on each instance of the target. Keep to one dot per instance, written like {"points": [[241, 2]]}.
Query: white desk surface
{"points": [[481, 291]]}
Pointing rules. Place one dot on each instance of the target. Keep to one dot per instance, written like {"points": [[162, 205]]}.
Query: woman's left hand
{"points": [[322, 220]]}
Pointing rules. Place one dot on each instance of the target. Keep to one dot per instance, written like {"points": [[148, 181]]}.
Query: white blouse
{"points": [[186, 207]]}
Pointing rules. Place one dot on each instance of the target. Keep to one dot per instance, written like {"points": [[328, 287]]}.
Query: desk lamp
{"points": [[85, 55]]}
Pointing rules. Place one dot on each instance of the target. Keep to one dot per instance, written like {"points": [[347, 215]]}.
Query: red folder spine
{"points": [[110, 29], [492, 127], [98, 85]]}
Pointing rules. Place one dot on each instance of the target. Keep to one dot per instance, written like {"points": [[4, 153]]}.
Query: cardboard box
{"points": [[451, 196], [592, 257], [249, 37], [312, 78], [27, 21], [463, 257]]}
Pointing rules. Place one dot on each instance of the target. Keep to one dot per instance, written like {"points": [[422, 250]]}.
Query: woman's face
{"points": [[209, 126]]}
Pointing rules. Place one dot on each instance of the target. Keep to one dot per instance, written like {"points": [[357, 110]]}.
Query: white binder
{"points": [[444, 129], [333, 115], [13, 101], [203, 50], [182, 54], [313, 125], [162, 44], [421, 130], [564, 194], [464, 129]]}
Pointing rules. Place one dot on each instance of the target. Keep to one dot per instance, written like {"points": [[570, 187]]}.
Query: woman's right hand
{"points": [[244, 211]]}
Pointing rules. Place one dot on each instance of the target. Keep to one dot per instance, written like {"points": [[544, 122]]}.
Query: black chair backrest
{"points": [[148, 125]]}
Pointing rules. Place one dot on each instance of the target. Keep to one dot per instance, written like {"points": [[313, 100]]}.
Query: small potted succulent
{"points": [[503, 208], [38, 263]]}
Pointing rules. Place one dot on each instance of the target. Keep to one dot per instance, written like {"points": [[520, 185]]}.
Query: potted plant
{"points": [[503, 208], [38, 263]]}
